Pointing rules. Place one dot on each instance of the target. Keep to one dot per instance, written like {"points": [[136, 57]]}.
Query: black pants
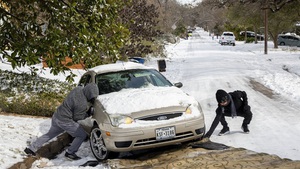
{"points": [[246, 113]]}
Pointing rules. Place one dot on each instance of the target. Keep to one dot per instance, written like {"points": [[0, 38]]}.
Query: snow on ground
{"points": [[189, 2], [203, 66]]}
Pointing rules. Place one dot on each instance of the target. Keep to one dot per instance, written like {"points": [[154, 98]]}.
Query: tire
{"points": [[281, 43], [233, 44], [98, 146]]}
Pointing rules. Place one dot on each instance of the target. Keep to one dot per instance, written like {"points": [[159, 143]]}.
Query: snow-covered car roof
{"points": [[114, 67]]}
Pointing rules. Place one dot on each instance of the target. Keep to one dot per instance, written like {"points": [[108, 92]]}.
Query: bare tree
{"points": [[273, 5]]}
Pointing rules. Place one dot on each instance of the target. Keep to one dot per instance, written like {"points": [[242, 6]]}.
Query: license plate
{"points": [[165, 133]]}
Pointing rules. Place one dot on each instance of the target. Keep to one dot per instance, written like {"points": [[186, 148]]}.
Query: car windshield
{"points": [[137, 78]]}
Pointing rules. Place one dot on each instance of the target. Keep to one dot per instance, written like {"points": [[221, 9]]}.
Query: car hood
{"points": [[128, 101]]}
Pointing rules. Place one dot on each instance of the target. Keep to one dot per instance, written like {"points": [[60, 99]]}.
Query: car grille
{"points": [[153, 140], [165, 116]]}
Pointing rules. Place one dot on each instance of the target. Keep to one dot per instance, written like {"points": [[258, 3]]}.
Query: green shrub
{"points": [[250, 40], [35, 105], [180, 30], [31, 95], [158, 48]]}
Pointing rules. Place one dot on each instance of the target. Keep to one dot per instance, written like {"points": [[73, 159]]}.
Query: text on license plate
{"points": [[165, 133]]}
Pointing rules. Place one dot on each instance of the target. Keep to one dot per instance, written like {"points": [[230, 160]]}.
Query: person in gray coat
{"points": [[75, 107]]}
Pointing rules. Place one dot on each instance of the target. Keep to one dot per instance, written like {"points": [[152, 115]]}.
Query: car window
{"points": [[284, 37], [116, 81], [84, 80], [228, 34]]}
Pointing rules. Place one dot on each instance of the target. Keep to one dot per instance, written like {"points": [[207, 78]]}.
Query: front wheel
{"points": [[98, 146]]}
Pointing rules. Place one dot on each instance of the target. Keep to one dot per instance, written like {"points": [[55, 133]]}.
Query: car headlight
{"points": [[188, 110], [193, 109], [116, 120]]}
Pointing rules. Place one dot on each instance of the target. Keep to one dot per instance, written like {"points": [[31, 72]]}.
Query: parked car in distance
{"points": [[189, 33], [252, 35], [288, 40], [138, 108], [227, 38]]}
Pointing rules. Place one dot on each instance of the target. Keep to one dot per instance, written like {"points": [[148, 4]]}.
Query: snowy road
{"points": [[205, 66]]}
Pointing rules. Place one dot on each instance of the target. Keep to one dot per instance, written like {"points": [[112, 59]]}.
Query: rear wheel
{"points": [[281, 43], [98, 146]]}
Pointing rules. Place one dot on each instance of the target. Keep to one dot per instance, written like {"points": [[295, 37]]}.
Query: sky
{"points": [[203, 66]]}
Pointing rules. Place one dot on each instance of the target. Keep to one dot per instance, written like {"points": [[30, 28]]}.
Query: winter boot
{"points": [[225, 130], [29, 152], [245, 128], [72, 156]]}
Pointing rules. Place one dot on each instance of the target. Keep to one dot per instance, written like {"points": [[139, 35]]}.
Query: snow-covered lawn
{"points": [[203, 66]]}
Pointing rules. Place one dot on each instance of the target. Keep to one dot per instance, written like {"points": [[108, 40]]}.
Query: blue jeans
{"points": [[58, 127]]}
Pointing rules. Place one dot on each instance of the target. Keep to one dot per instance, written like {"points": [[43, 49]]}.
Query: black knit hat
{"points": [[221, 96]]}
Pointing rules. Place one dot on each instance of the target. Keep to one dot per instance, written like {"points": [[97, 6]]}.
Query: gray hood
{"points": [[91, 91]]}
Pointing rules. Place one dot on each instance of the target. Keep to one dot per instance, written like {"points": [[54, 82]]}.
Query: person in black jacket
{"points": [[231, 104]]}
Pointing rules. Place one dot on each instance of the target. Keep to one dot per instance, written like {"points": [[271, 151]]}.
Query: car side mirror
{"points": [[178, 84]]}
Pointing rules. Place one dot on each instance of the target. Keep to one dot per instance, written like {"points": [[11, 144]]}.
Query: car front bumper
{"points": [[128, 139]]}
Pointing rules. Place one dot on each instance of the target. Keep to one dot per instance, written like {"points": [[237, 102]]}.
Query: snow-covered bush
{"points": [[31, 95]]}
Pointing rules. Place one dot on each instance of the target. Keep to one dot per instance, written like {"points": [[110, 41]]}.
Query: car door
{"points": [[296, 41], [291, 41]]}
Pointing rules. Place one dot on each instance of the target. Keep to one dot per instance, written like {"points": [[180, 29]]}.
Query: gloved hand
{"points": [[91, 111]]}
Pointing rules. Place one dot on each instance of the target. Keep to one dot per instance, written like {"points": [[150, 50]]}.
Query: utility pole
{"points": [[266, 26]]}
